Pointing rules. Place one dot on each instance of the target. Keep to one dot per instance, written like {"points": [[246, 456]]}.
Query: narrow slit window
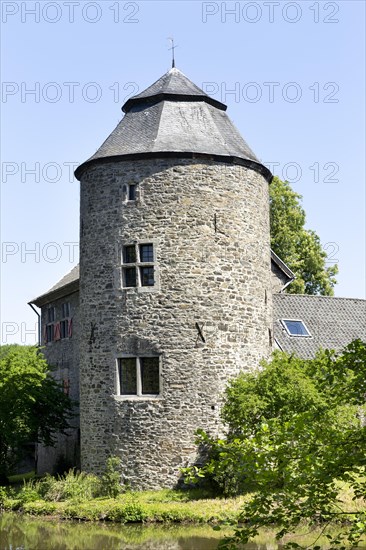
{"points": [[132, 192]]}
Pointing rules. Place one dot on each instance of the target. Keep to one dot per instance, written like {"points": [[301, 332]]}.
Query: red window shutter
{"points": [[69, 331], [57, 333]]}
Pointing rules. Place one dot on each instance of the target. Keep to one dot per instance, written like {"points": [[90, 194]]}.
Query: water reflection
{"points": [[19, 532], [25, 533]]}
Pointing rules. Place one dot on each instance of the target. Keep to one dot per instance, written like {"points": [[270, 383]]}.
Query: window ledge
{"points": [[138, 397], [136, 289], [299, 335]]}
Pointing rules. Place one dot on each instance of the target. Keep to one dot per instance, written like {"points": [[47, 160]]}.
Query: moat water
{"points": [[19, 532]]}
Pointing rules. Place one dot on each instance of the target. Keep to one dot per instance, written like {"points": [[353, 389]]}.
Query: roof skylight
{"points": [[295, 327]]}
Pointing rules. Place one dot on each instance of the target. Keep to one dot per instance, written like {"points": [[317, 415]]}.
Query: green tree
{"points": [[296, 434], [298, 247], [33, 406]]}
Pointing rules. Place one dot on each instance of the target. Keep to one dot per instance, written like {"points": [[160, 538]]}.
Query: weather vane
{"points": [[172, 48]]}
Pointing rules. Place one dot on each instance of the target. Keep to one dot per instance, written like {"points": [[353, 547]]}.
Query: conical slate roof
{"points": [[174, 118], [172, 85]]}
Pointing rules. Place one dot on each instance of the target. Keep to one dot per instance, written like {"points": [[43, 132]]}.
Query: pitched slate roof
{"points": [[174, 117], [67, 285], [279, 268], [332, 322]]}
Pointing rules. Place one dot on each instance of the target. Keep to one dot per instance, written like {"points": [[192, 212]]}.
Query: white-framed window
{"points": [[295, 327], [139, 376], [139, 265]]}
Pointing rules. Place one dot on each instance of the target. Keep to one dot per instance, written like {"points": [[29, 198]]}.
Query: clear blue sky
{"points": [[297, 80]]}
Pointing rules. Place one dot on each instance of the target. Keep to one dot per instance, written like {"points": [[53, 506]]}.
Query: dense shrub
{"points": [[3, 496], [29, 492], [39, 508], [295, 430], [129, 511], [77, 486], [111, 479]]}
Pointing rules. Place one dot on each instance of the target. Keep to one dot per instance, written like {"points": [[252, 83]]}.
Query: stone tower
{"points": [[175, 290]]}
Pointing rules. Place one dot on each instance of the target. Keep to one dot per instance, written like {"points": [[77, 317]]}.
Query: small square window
{"points": [[129, 254], [129, 276], [295, 327], [146, 253], [147, 276]]}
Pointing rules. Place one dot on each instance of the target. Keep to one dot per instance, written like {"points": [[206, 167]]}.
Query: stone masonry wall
{"points": [[209, 223], [63, 355]]}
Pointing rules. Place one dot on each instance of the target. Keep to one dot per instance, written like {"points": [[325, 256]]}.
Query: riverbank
{"points": [[84, 497], [164, 506], [101, 502], [130, 507]]}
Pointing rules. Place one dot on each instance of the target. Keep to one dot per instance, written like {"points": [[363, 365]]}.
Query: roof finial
{"points": [[172, 48]]}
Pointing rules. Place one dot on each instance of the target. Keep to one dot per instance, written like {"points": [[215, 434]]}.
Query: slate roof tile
{"points": [[174, 116], [68, 284], [333, 322]]}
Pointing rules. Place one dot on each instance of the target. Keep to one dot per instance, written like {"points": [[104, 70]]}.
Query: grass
{"points": [[133, 507], [135, 516], [148, 507], [83, 497], [348, 501], [20, 478]]}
